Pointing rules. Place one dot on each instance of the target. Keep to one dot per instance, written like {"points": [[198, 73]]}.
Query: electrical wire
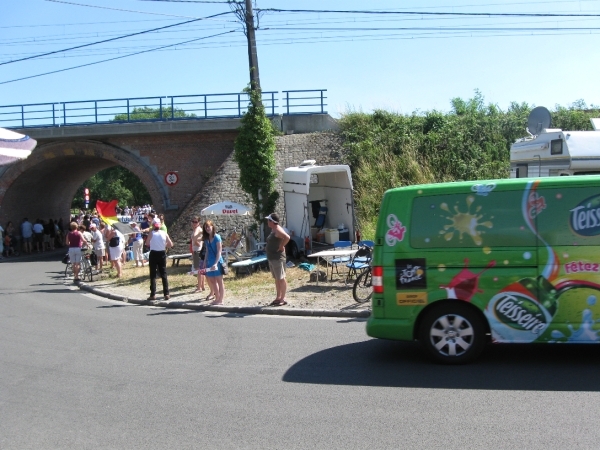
{"points": [[113, 59], [428, 13], [112, 39], [119, 9]]}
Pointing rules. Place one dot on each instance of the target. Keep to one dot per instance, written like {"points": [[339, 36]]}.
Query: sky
{"points": [[417, 61]]}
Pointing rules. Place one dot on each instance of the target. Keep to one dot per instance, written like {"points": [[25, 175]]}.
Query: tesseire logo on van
{"points": [[515, 317], [585, 217]]}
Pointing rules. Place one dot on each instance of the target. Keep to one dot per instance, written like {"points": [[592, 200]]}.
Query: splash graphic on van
{"points": [[585, 217], [465, 284], [395, 231], [464, 222]]}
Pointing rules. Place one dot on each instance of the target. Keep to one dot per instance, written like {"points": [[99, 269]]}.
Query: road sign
{"points": [[171, 178]]}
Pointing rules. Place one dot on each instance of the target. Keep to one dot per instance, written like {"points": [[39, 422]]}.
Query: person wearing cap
{"points": [[158, 241], [97, 244], [137, 244], [275, 250]]}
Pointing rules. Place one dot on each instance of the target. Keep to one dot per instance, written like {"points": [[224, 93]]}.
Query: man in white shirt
{"points": [[97, 244], [27, 235], [38, 236]]}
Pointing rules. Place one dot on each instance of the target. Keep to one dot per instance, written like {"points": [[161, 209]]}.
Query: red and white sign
{"points": [[171, 178]]}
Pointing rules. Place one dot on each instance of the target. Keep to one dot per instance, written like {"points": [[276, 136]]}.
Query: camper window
{"points": [[314, 178], [556, 147]]}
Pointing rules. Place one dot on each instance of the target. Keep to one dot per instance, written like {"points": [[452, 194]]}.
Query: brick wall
{"points": [[325, 148]]}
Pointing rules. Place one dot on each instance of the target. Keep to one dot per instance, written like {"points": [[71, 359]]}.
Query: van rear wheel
{"points": [[452, 333]]}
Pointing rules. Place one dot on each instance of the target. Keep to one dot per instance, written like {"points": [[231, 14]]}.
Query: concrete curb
{"points": [[275, 311]]}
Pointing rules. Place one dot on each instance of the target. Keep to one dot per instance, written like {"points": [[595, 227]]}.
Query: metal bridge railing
{"points": [[157, 109]]}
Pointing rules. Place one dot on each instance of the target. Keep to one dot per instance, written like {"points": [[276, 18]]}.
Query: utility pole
{"points": [[252, 53]]}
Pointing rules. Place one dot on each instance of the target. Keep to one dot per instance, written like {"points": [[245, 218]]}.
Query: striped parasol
{"points": [[14, 146]]}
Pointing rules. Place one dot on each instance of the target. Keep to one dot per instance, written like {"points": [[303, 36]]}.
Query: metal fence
{"points": [[158, 109]]}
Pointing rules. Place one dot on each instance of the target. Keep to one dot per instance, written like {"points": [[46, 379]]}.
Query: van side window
{"points": [[469, 221], [571, 217]]}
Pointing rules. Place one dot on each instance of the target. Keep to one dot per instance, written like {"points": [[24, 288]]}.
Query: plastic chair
{"points": [[360, 261], [320, 221], [339, 259], [369, 244]]}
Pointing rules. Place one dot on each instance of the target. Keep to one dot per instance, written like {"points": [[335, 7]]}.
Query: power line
{"points": [[118, 57], [113, 39], [190, 1], [428, 13], [119, 9]]}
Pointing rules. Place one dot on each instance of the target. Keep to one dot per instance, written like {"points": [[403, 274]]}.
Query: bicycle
{"points": [[86, 270], [362, 289], [361, 267]]}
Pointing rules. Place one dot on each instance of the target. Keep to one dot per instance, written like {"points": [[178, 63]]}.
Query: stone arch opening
{"points": [[44, 184]]}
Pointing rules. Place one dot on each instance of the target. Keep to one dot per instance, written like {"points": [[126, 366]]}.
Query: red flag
{"points": [[107, 211]]}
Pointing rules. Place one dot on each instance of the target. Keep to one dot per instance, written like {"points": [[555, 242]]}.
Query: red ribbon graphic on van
{"points": [[531, 206]]}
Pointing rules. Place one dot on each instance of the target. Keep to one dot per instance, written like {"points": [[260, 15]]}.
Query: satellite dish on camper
{"points": [[539, 118]]}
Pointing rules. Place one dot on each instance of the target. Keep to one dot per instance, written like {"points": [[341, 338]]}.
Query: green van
{"points": [[457, 265]]}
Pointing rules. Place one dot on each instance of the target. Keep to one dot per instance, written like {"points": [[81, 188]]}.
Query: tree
{"points": [[146, 113], [113, 183], [254, 152]]}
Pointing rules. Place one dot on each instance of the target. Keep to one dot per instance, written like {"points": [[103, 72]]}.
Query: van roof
{"points": [[483, 187]]}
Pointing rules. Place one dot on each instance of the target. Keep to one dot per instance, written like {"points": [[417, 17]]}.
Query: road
{"points": [[78, 371]]}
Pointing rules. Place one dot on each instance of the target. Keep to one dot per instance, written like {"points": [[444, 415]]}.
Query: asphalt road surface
{"points": [[78, 371]]}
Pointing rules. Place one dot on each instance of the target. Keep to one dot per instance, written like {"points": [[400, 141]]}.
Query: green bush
{"points": [[470, 142]]}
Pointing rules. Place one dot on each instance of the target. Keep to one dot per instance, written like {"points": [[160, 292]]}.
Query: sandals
{"points": [[210, 297], [152, 297], [278, 303]]}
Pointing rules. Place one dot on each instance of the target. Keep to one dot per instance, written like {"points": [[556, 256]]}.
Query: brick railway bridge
{"points": [[44, 184]]}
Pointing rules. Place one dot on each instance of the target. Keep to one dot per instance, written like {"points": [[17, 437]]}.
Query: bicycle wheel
{"points": [[86, 268], [68, 270], [362, 290], [86, 272]]}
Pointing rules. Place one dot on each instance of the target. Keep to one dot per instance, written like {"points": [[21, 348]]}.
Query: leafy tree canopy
{"points": [[255, 156], [113, 183], [146, 113], [470, 142]]}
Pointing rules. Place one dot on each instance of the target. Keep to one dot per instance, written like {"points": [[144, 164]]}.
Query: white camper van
{"points": [[554, 152], [317, 198]]}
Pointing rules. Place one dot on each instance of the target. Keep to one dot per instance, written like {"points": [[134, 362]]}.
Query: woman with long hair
{"points": [[213, 261], [198, 253]]}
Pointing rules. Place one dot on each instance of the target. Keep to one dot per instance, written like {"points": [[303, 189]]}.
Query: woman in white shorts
{"points": [[115, 248], [74, 241]]}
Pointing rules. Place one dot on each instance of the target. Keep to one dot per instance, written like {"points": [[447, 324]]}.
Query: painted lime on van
{"points": [[457, 265]]}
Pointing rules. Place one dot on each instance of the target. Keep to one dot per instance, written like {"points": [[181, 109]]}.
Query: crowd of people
{"points": [[148, 242], [28, 237]]}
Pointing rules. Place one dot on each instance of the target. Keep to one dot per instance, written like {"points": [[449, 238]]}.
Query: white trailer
{"points": [[309, 185], [554, 152]]}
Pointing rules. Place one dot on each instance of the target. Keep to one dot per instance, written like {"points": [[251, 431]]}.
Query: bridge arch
{"points": [[44, 184]]}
